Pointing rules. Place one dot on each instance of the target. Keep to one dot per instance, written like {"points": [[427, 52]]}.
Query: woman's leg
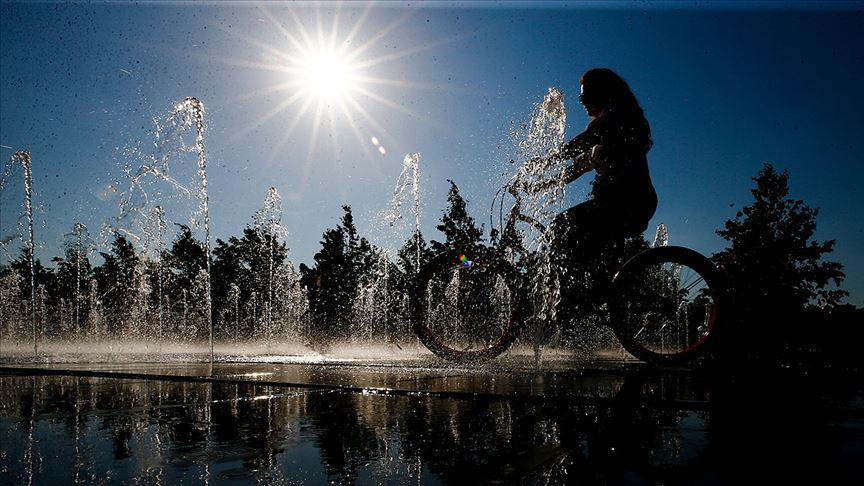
{"points": [[578, 240], [576, 230]]}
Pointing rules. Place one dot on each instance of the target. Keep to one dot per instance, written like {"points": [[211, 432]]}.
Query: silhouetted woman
{"points": [[614, 144]]}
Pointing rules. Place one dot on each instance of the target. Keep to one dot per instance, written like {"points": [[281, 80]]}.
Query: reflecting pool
{"points": [[630, 427]]}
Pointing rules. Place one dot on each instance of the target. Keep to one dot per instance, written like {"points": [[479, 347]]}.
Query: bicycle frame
{"points": [[648, 293]]}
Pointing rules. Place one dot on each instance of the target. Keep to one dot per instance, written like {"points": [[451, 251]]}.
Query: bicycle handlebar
{"points": [[514, 214]]}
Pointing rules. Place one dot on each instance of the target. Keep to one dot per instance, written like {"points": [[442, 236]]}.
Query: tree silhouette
{"points": [[185, 259], [775, 267], [327, 294], [116, 279], [227, 270], [459, 229], [362, 256], [246, 263], [73, 274], [43, 278], [341, 264], [41, 274], [475, 316], [413, 255], [183, 264]]}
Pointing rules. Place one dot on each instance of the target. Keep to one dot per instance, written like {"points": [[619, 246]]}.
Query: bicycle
{"points": [[471, 304]]}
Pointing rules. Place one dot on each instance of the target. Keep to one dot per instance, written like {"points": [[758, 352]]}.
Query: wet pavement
{"points": [[306, 420]]}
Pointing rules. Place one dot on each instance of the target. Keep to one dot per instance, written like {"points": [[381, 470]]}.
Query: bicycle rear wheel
{"points": [[665, 306], [466, 305]]}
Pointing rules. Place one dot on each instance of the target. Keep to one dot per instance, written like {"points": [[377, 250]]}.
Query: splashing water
{"points": [[79, 231], [185, 115], [294, 305], [157, 179], [661, 238], [268, 225], [408, 178], [194, 114], [282, 306], [23, 158], [377, 310], [450, 306], [78, 245], [95, 320], [538, 144], [269, 218], [161, 174], [156, 240], [234, 305]]}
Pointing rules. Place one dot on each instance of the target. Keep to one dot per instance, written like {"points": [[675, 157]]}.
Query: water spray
{"points": [[193, 108], [23, 158]]}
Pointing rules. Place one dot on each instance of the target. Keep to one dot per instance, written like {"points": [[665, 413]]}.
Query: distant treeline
{"points": [[786, 297]]}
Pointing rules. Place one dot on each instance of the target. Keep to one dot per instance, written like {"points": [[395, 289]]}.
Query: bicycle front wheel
{"points": [[665, 307], [466, 306]]}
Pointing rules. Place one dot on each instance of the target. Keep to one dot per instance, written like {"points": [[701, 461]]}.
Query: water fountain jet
{"points": [[193, 109], [537, 146], [158, 217], [269, 227], [23, 158], [408, 177], [661, 237], [79, 228]]}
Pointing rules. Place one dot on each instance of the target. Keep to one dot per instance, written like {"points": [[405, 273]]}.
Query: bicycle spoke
{"points": [[645, 285], [698, 281], [666, 307], [468, 312]]}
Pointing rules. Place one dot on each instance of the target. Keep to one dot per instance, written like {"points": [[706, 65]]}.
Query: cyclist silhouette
{"points": [[662, 303], [614, 145]]}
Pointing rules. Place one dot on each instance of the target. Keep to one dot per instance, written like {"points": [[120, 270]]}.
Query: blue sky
{"points": [[726, 87]]}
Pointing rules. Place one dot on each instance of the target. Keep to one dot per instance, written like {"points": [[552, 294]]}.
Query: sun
{"points": [[328, 76]]}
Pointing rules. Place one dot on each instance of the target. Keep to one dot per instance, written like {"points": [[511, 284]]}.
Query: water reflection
{"points": [[648, 429]]}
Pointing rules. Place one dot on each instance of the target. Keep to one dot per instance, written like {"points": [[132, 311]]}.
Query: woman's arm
{"points": [[585, 141], [581, 165], [580, 150]]}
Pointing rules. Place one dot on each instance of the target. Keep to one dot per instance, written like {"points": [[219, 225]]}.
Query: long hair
{"points": [[603, 87]]}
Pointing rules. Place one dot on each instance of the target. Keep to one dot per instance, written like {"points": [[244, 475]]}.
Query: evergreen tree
{"points": [[43, 278], [362, 257], [775, 267], [461, 234], [327, 287], [344, 261], [12, 313], [227, 269], [459, 229], [116, 280], [247, 262], [414, 251], [73, 275], [41, 274], [185, 259]]}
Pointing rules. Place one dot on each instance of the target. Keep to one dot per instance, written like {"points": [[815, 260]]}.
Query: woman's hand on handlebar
{"points": [[597, 158]]}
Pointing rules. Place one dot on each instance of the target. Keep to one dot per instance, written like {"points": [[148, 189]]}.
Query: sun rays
{"points": [[329, 77]]}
